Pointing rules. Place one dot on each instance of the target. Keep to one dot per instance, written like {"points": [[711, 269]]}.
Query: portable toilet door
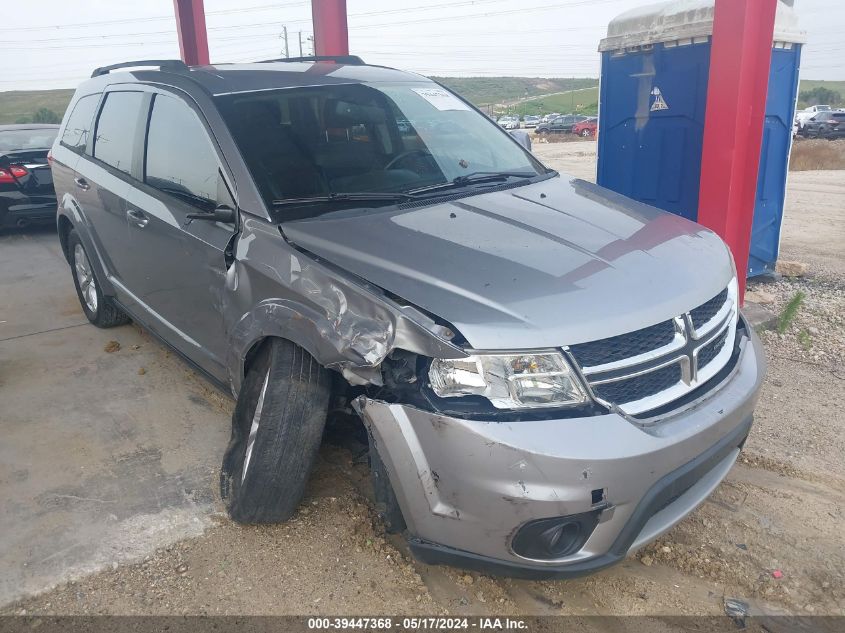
{"points": [[652, 103]]}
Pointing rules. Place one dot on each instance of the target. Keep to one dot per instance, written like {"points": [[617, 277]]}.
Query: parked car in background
{"points": [[560, 125], [586, 128], [802, 116], [826, 124], [26, 182], [550, 375], [530, 120], [509, 122]]}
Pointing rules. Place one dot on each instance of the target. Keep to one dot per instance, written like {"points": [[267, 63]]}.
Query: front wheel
{"points": [[98, 308], [586, 133], [276, 429]]}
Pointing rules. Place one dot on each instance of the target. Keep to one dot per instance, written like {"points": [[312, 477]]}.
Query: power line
{"points": [[154, 18]]}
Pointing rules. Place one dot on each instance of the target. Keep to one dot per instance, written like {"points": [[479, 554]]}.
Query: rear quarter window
{"points": [[75, 135], [114, 143]]}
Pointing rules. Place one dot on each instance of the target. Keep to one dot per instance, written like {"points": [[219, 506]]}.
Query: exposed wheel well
{"points": [[337, 382], [65, 228], [253, 353]]}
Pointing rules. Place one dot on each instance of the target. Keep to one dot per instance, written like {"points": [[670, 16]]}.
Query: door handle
{"points": [[82, 184], [137, 218]]}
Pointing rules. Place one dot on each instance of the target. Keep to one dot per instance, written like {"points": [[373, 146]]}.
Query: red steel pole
{"points": [[331, 35], [193, 38], [740, 58]]}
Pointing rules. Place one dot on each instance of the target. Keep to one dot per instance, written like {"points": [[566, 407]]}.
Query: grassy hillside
{"points": [[22, 104], [578, 95], [491, 90], [584, 101], [810, 84]]}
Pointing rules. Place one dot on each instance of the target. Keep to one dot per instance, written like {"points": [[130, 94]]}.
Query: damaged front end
{"points": [[346, 324], [549, 493]]}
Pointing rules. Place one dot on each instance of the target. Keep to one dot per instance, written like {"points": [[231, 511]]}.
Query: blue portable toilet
{"points": [[655, 64]]}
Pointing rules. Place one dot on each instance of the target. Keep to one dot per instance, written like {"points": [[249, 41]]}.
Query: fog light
{"points": [[549, 539]]}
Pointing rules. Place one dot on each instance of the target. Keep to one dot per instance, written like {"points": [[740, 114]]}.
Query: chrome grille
{"points": [[711, 350], [618, 348], [649, 384], [706, 311], [651, 367]]}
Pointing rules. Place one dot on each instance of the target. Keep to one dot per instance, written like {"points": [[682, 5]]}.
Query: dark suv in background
{"points": [[560, 125], [26, 182], [550, 375], [829, 124]]}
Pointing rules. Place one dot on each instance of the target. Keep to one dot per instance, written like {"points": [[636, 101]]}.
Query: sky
{"points": [[57, 43]]}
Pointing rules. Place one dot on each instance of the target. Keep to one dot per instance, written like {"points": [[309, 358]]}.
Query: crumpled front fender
{"points": [[273, 289]]}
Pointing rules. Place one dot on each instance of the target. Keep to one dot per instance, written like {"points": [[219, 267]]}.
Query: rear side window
{"points": [[115, 139], [79, 123], [180, 157]]}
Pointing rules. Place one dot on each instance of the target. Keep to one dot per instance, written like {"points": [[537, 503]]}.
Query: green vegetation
{"points": [[585, 101], [523, 95], [789, 312], [809, 93], [23, 106], [492, 90], [820, 94], [805, 339]]}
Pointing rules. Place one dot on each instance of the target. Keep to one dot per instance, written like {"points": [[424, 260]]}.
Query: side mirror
{"points": [[522, 138], [222, 213]]}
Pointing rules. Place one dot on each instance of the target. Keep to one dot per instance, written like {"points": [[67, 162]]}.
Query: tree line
{"points": [[42, 115]]}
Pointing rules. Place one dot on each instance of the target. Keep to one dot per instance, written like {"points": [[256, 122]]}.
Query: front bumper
{"points": [[465, 486]]}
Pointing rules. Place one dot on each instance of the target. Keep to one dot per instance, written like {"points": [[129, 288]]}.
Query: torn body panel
{"points": [[274, 289]]}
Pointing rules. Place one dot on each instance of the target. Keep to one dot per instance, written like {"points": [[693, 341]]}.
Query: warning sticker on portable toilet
{"points": [[659, 102]]}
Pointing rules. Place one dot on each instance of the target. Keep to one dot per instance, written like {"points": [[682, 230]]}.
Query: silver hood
{"points": [[552, 263]]}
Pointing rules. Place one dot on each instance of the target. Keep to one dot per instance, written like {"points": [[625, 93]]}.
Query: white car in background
{"points": [[808, 113], [509, 122]]}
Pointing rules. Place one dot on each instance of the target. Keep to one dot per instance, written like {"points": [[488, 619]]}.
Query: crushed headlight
{"points": [[509, 381]]}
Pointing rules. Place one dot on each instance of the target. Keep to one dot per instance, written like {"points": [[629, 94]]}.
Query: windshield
{"points": [[387, 138], [14, 140]]}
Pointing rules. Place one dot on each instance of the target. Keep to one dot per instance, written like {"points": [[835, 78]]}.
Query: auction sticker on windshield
{"points": [[441, 99]]}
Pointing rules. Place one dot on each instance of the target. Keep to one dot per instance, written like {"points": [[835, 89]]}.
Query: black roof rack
{"points": [[350, 60], [164, 64]]}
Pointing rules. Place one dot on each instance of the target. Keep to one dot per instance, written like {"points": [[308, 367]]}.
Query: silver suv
{"points": [[551, 375]]}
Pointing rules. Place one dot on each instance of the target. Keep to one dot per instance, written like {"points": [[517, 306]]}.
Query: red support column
{"points": [[190, 24], [740, 58], [331, 35]]}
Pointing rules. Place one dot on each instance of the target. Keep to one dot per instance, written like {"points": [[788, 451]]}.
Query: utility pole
{"points": [[300, 44], [285, 35]]}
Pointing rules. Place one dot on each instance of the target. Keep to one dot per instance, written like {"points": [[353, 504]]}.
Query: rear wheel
{"points": [[100, 309], [586, 132], [276, 430]]}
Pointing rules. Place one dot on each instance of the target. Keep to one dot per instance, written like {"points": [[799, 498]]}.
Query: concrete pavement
{"points": [[104, 456]]}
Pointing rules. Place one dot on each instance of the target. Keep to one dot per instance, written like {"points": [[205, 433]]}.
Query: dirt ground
{"points": [[771, 534]]}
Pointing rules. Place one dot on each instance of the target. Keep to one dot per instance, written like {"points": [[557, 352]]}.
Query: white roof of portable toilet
{"points": [[683, 20]]}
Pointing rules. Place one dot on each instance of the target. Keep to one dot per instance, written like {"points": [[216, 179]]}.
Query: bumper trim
{"points": [[663, 492]]}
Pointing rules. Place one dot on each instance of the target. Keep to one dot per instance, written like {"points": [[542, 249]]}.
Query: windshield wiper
{"points": [[362, 196], [474, 178]]}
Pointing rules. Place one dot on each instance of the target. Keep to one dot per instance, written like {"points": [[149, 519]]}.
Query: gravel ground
{"points": [[771, 534]]}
